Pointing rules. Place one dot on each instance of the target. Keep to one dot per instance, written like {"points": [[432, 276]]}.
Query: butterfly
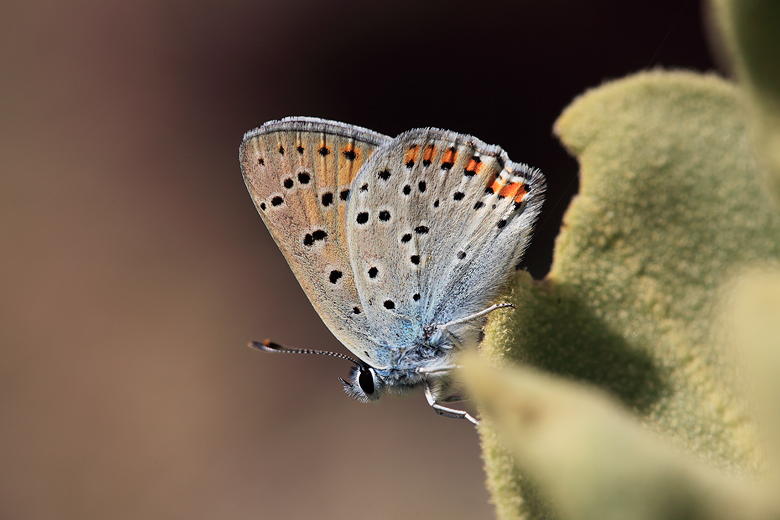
{"points": [[401, 244]]}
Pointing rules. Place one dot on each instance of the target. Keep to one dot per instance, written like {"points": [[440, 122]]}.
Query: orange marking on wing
{"points": [[515, 190], [411, 154], [510, 189], [474, 165], [494, 183], [520, 195], [428, 154], [449, 156]]}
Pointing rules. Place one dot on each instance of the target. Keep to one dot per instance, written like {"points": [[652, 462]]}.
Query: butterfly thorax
{"points": [[435, 349]]}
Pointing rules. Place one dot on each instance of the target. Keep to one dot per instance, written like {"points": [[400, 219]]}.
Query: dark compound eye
{"points": [[366, 381]]}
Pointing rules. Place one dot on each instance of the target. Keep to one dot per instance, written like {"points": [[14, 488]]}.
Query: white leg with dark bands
{"points": [[443, 410]]}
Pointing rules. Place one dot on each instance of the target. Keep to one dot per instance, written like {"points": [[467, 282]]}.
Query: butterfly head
{"points": [[364, 384]]}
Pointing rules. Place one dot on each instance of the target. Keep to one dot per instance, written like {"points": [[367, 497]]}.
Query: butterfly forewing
{"points": [[437, 225], [299, 172]]}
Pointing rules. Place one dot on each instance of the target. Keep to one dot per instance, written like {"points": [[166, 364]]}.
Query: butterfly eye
{"points": [[364, 384], [366, 381]]}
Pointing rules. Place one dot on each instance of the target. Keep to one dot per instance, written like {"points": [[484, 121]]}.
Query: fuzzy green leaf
{"points": [[751, 30], [670, 206], [592, 459], [753, 315]]}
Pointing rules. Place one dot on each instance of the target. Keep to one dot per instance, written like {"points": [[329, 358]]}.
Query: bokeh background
{"points": [[134, 268]]}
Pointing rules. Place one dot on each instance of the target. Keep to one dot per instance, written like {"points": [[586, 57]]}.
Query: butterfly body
{"points": [[399, 243]]}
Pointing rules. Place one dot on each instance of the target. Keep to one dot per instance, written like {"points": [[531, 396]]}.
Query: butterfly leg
{"points": [[474, 316], [436, 370], [444, 410]]}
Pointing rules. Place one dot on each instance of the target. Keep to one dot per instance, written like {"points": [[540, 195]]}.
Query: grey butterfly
{"points": [[401, 244]]}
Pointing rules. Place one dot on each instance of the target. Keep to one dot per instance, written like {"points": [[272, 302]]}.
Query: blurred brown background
{"points": [[135, 269]]}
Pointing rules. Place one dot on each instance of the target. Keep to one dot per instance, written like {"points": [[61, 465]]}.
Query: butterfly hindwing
{"points": [[299, 172], [437, 223]]}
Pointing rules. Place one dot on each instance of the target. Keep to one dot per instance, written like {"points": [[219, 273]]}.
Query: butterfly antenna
{"points": [[270, 346]]}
